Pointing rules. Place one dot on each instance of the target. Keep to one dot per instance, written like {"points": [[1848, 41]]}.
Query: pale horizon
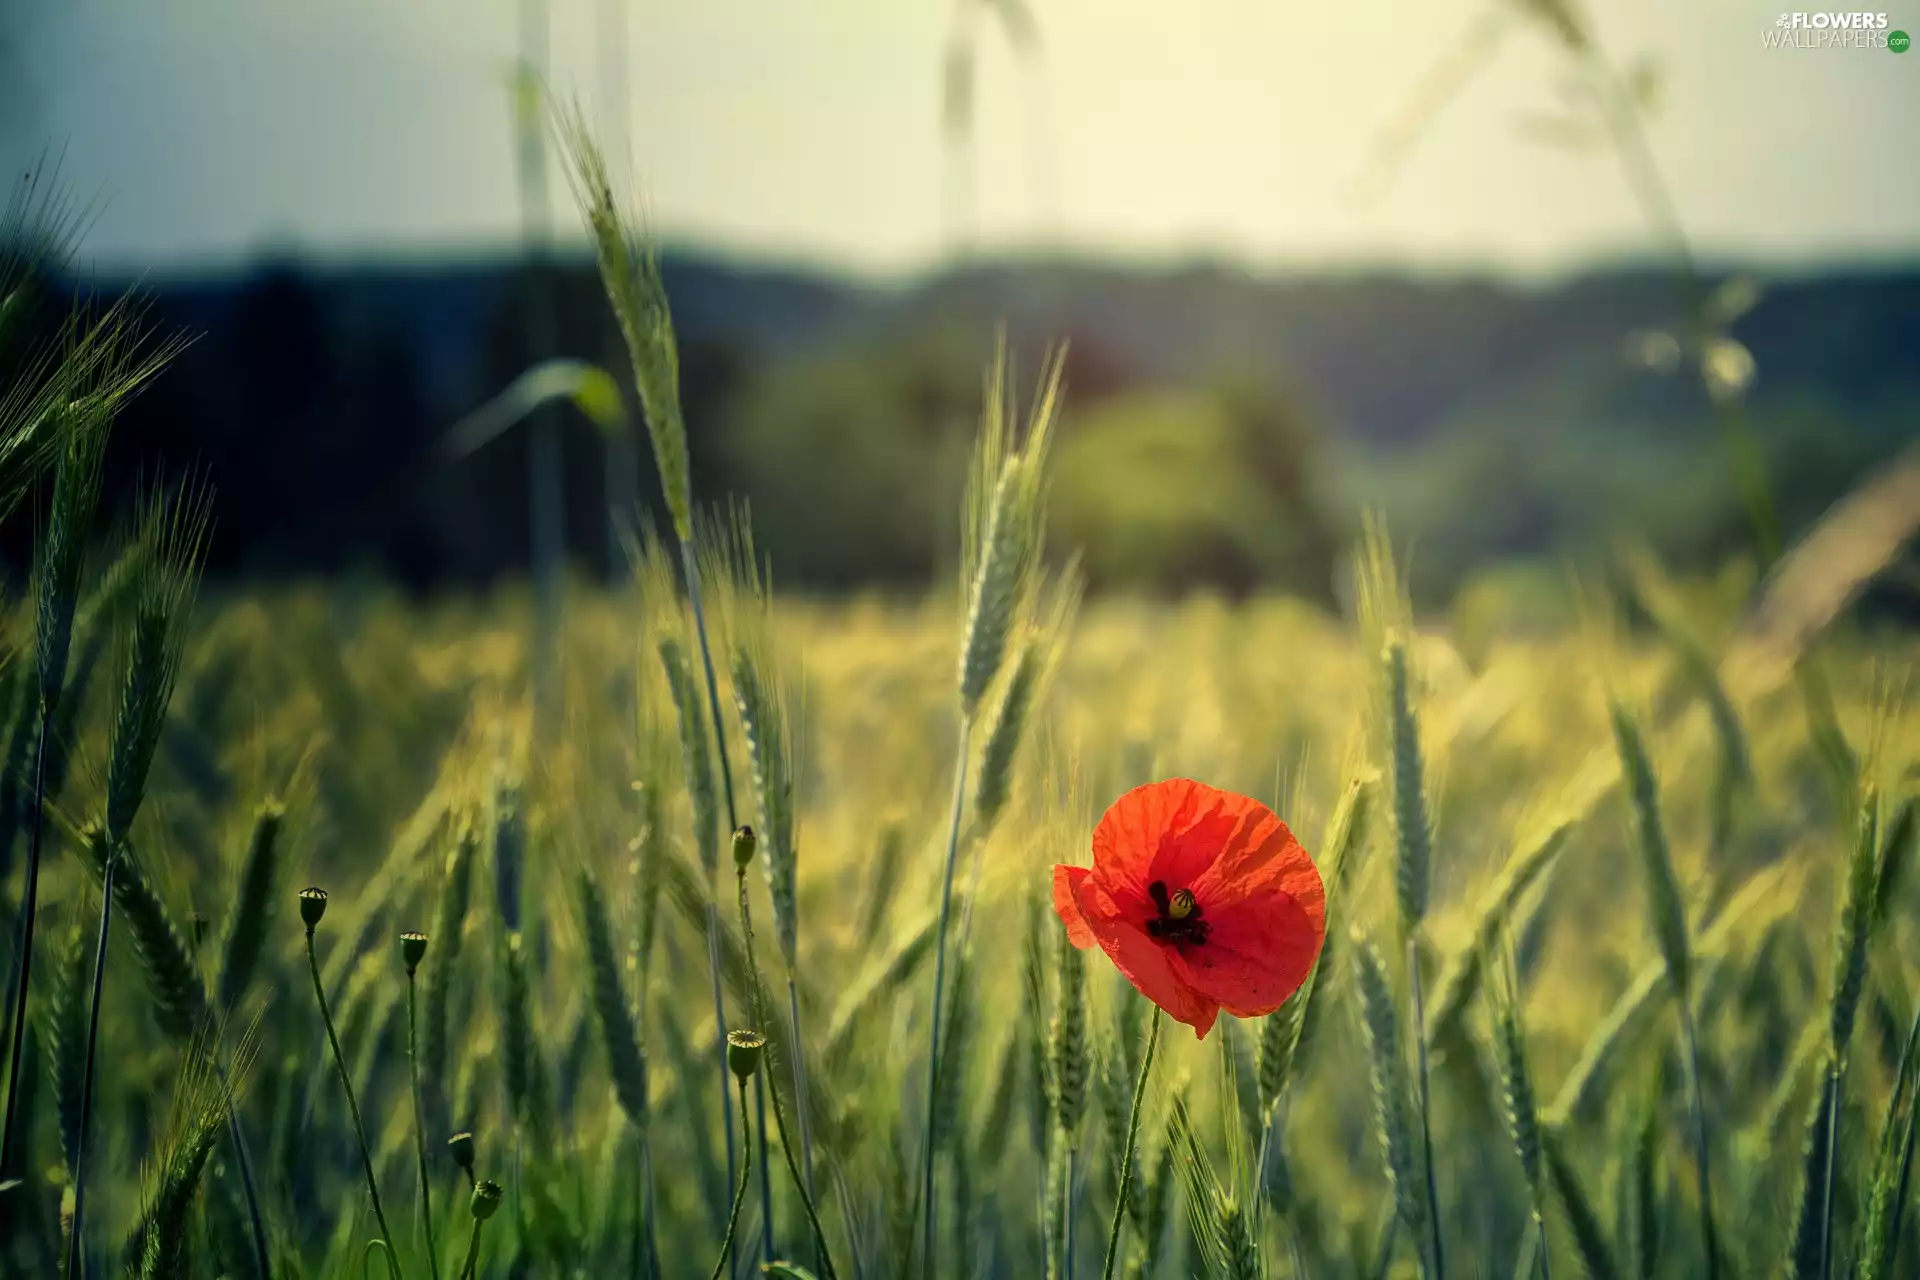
{"points": [[212, 133]]}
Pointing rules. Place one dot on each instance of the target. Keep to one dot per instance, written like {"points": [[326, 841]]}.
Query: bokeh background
{"points": [[1310, 259], [1522, 279]]}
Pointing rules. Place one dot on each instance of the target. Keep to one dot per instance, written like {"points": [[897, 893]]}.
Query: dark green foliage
{"points": [[64, 1031], [166, 960], [76, 491], [1413, 870], [626, 1064], [1589, 1236], [450, 918], [21, 705], [161, 1247], [521, 1055], [250, 918], [696, 754], [173, 533]]}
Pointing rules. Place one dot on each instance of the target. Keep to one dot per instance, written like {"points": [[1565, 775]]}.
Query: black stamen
{"points": [[1158, 892], [1188, 930]]}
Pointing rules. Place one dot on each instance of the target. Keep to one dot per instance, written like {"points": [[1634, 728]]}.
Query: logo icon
{"points": [[1898, 41]]}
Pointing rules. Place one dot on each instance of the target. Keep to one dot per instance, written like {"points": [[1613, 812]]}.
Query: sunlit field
{"points": [[386, 753], [692, 925]]}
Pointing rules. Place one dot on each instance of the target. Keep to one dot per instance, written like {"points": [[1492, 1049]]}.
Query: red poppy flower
{"points": [[1201, 897]]}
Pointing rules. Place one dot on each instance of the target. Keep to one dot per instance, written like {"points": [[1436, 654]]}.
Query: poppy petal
{"points": [[1257, 954], [1066, 881], [1263, 858], [1141, 960], [1171, 830]]}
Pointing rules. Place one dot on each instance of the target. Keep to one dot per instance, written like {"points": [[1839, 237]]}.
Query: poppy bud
{"points": [[743, 1052], [744, 844], [413, 949], [460, 1145], [486, 1198], [313, 905]]}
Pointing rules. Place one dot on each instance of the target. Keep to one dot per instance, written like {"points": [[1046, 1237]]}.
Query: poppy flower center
{"points": [[1178, 916]]}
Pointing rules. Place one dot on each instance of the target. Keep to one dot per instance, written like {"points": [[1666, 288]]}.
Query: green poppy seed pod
{"points": [[486, 1198], [413, 949], [743, 1052], [744, 845], [460, 1145], [313, 905]]}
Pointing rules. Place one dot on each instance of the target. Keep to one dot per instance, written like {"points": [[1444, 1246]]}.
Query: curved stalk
{"points": [[692, 569], [939, 987], [802, 1099], [779, 1112], [468, 1269], [420, 1130], [76, 1248], [1426, 1123], [739, 1195], [1126, 1158], [256, 1224], [1708, 1236], [353, 1104], [23, 944]]}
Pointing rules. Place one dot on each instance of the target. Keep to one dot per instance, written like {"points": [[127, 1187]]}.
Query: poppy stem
{"points": [[420, 1129], [720, 1033], [353, 1104], [690, 565], [1126, 1159], [740, 1192], [779, 1112]]}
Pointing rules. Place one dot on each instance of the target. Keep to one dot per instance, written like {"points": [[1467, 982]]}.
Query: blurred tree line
{"points": [[1221, 430]]}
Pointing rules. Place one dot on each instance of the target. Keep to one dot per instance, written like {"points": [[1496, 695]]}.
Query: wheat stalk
{"points": [[1391, 1090]]}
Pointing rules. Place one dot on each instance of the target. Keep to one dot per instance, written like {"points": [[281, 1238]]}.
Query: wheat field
{"points": [[385, 752], [371, 936]]}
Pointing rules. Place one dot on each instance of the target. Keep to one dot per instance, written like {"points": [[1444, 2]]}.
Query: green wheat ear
{"points": [[1286, 1033], [76, 494], [166, 958], [1221, 1225], [1042, 649], [696, 753], [1520, 1105], [64, 1029], [63, 391], [763, 697], [250, 917], [449, 924], [625, 1061], [1413, 871], [525, 1065], [1005, 523], [1392, 1089], [1664, 899], [173, 534], [161, 1244], [629, 264]]}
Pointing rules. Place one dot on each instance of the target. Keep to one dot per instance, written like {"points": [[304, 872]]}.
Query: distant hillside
{"points": [[1491, 420]]}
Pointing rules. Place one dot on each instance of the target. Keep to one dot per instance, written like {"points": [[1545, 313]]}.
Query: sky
{"points": [[208, 132]]}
